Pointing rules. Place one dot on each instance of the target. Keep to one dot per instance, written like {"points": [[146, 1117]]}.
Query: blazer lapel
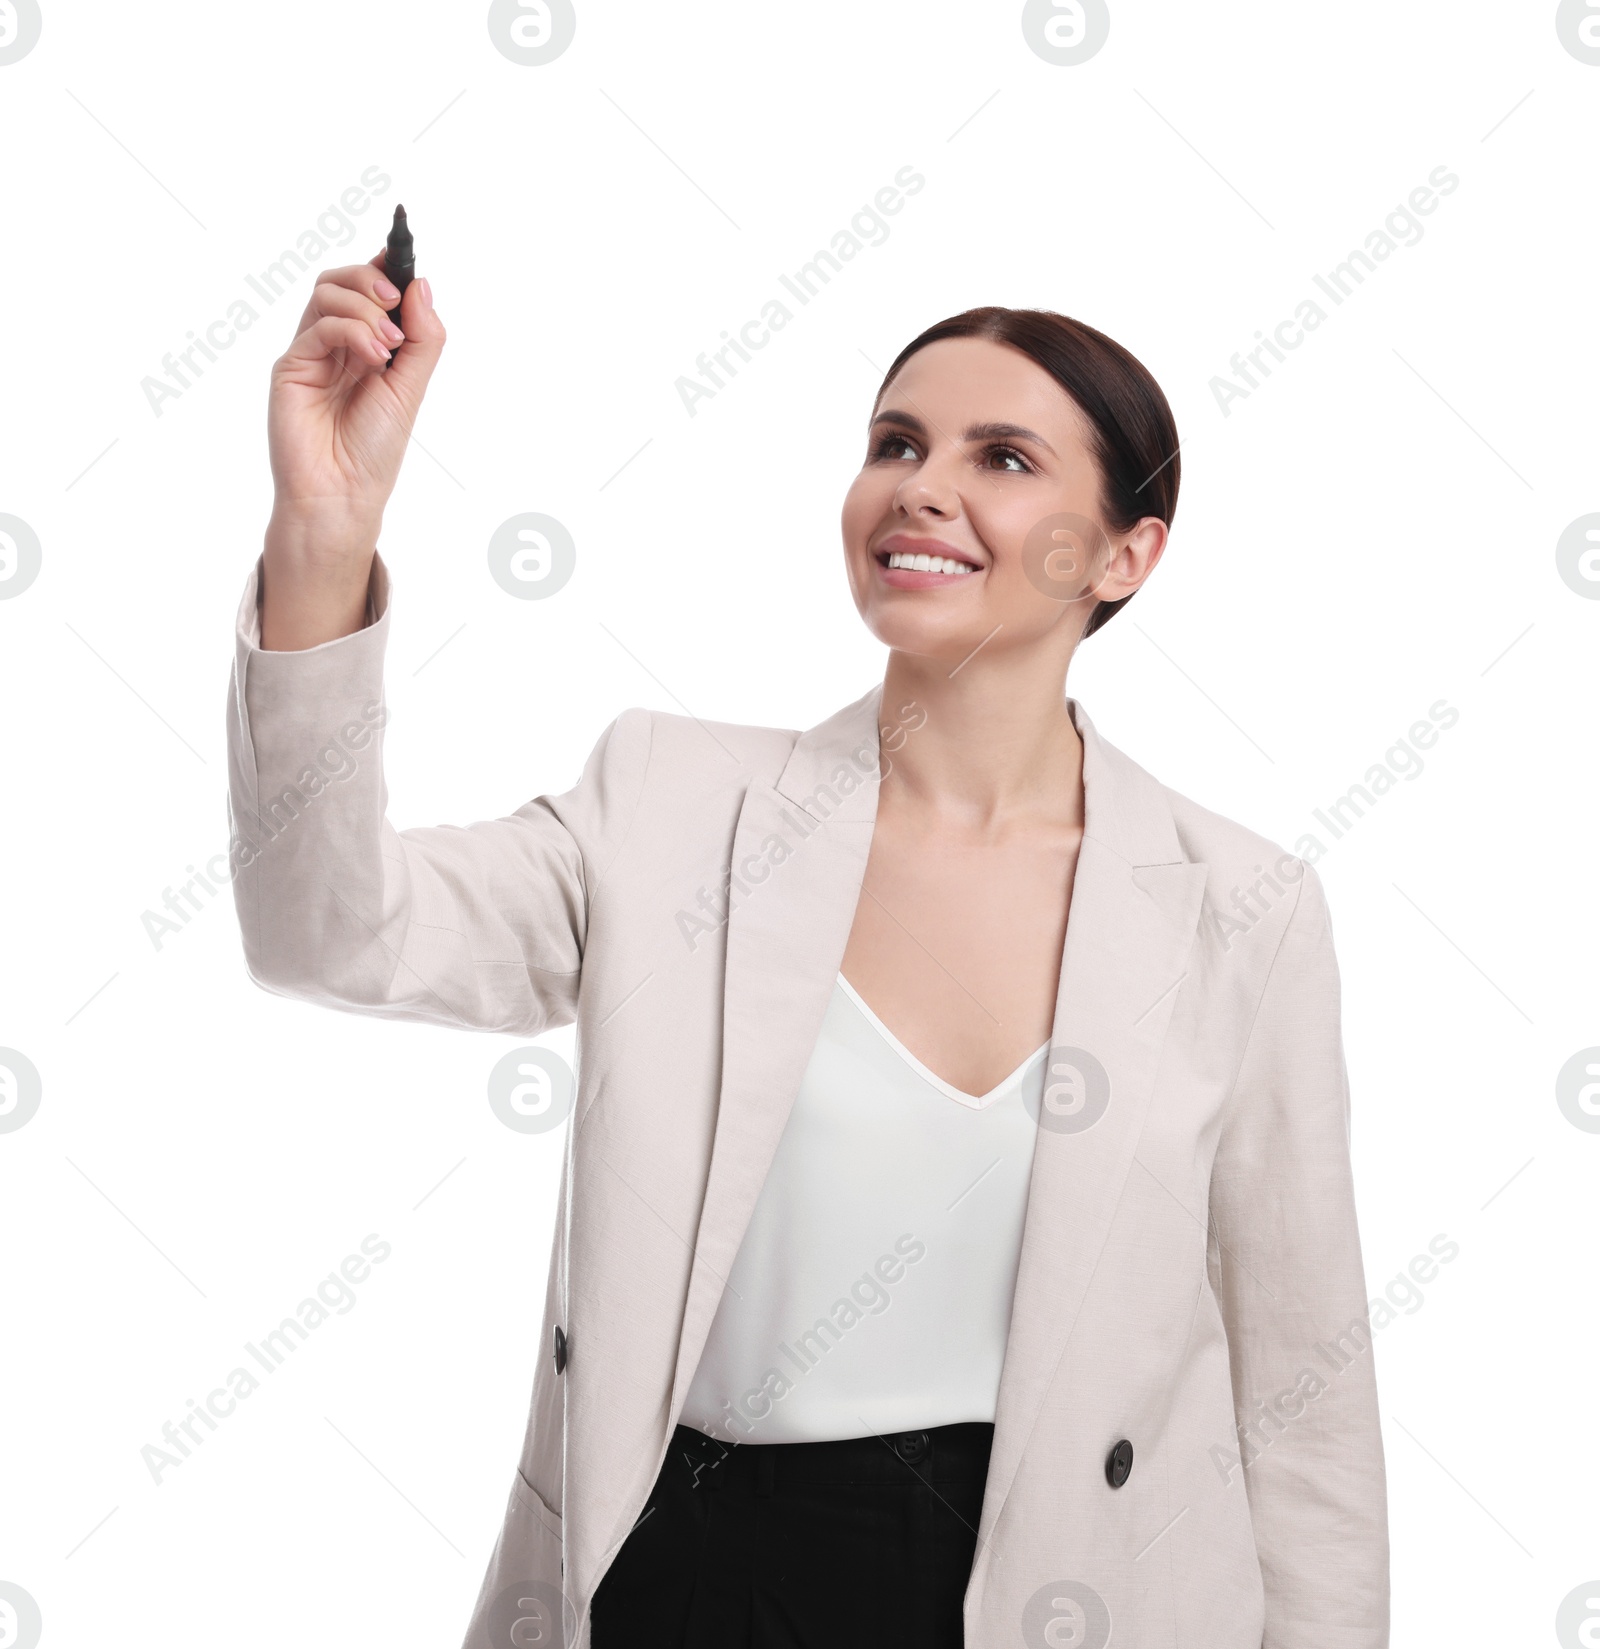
{"points": [[1134, 913], [799, 856]]}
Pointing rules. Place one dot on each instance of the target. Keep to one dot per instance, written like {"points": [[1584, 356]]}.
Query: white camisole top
{"points": [[872, 1290]]}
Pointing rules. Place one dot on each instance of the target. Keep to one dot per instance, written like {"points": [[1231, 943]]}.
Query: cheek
{"points": [[1004, 523], [1019, 592], [866, 503]]}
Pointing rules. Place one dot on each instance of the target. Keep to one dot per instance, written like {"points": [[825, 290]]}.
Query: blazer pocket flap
{"points": [[524, 1493]]}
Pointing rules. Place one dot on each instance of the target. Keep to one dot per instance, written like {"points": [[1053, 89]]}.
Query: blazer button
{"points": [[561, 1349], [1119, 1463]]}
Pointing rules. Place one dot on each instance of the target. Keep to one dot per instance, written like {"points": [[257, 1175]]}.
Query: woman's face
{"points": [[977, 456]]}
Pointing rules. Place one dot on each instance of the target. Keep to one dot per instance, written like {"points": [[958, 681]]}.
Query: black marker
{"points": [[399, 260]]}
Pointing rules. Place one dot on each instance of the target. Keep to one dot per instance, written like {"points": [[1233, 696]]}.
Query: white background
{"points": [[1370, 532]]}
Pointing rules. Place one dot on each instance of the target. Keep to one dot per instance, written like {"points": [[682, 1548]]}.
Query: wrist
{"points": [[315, 574], [328, 540]]}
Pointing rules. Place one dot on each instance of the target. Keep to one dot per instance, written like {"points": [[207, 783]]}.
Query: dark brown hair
{"points": [[1135, 439]]}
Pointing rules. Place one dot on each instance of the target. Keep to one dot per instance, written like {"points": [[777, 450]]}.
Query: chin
{"points": [[923, 636]]}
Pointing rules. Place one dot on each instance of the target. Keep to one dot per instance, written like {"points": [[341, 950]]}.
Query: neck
{"points": [[993, 743]]}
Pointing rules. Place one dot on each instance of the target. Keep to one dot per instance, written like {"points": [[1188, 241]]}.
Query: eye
{"points": [[1011, 452], [886, 444]]}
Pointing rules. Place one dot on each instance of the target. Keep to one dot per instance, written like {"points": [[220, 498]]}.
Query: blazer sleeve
{"points": [[1294, 1302], [481, 926]]}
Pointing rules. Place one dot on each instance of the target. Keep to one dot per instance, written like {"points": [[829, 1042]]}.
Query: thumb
{"points": [[415, 359]]}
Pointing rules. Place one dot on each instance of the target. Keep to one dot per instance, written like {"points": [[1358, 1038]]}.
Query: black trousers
{"points": [[867, 1541]]}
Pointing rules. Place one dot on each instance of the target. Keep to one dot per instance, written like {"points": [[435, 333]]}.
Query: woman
{"points": [[928, 1269]]}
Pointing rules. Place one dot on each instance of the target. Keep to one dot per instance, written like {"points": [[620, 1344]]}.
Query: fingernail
{"points": [[391, 331], [387, 290], [427, 292]]}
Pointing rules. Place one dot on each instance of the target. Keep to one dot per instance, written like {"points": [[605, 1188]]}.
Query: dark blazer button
{"points": [[561, 1349], [1119, 1463]]}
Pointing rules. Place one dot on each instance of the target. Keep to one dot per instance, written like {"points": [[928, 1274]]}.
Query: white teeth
{"points": [[929, 563]]}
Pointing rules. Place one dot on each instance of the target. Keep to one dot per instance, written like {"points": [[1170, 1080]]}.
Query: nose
{"points": [[927, 493]]}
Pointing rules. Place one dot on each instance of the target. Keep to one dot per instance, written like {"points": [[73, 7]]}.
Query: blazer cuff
{"points": [[283, 705]]}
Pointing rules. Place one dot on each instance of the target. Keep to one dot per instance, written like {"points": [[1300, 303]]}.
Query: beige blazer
{"points": [[1190, 1280]]}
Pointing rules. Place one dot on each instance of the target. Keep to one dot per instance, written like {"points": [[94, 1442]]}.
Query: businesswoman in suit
{"points": [[956, 1239]]}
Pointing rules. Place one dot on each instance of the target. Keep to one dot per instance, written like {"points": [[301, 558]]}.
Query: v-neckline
{"points": [[974, 1102]]}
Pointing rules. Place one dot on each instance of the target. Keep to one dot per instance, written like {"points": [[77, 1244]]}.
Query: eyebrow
{"points": [[975, 432]]}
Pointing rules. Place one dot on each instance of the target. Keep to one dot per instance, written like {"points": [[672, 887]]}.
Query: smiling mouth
{"points": [[921, 563]]}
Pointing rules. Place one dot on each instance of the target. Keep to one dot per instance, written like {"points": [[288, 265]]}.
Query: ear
{"points": [[1133, 558]]}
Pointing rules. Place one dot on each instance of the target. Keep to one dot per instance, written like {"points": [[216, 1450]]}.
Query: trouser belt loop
{"points": [[767, 1472]]}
